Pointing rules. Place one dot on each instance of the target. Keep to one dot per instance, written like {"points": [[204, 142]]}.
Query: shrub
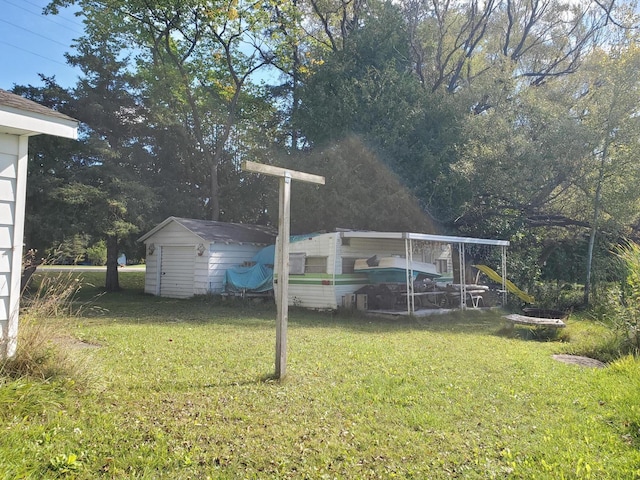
{"points": [[558, 295], [626, 310], [97, 253]]}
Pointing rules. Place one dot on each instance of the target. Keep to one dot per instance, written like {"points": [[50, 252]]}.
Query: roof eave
{"points": [[25, 123], [163, 224]]}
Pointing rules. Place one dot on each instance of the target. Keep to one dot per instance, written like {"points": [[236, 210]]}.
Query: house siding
{"points": [[11, 234]]}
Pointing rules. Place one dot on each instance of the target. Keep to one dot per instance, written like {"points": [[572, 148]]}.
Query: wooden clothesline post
{"points": [[284, 222]]}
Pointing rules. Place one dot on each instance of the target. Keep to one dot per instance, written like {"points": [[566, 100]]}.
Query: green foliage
{"points": [[70, 252], [626, 312], [97, 253], [565, 297], [360, 193], [64, 464], [364, 398]]}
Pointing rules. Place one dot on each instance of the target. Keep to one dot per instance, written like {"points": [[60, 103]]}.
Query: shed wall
{"points": [[178, 266], [223, 256], [202, 274], [172, 235]]}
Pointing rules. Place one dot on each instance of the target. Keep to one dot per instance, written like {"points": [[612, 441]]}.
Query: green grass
{"points": [[182, 389]]}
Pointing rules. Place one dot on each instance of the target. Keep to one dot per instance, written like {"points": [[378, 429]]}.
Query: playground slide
{"points": [[493, 275]]}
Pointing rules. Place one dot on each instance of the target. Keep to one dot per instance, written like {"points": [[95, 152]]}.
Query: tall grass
{"points": [[626, 312], [41, 324]]}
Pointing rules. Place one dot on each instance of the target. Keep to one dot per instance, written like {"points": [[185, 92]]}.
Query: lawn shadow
{"points": [[135, 306], [532, 333]]}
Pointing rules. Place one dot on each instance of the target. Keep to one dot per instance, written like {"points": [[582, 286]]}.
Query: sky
{"points": [[33, 43]]}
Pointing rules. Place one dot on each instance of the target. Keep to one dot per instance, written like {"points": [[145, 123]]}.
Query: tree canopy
{"points": [[513, 119]]}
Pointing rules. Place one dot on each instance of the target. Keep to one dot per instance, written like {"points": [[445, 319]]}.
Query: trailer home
{"points": [[326, 270]]}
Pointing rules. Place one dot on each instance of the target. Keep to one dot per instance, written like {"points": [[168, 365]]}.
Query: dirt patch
{"points": [[578, 360]]}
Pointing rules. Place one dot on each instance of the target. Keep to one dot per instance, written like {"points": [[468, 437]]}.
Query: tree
{"points": [[360, 193], [457, 45], [607, 106], [197, 61]]}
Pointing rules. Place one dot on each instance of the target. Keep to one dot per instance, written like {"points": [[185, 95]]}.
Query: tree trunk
{"points": [[215, 192], [594, 226], [112, 284]]}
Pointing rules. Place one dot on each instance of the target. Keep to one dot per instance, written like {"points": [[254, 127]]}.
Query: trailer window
{"points": [[296, 263], [315, 265], [441, 265]]}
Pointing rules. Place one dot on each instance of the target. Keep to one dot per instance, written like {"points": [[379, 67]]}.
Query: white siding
{"points": [[13, 151], [224, 256], [176, 278], [207, 270], [171, 236], [307, 290], [317, 297], [151, 272]]}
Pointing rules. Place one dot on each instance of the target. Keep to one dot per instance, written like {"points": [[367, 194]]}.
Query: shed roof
{"points": [[222, 232], [20, 116]]}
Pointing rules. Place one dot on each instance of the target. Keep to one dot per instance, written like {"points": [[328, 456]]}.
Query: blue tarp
{"points": [[256, 278]]}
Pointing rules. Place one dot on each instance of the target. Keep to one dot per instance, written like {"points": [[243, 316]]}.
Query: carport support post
{"points": [[284, 222]]}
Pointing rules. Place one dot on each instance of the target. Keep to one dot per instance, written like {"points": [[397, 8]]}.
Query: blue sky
{"points": [[32, 43]]}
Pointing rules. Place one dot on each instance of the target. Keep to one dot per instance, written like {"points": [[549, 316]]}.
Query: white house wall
{"points": [[13, 177]]}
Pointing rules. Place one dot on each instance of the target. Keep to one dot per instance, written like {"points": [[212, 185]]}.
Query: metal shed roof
{"points": [[221, 232]]}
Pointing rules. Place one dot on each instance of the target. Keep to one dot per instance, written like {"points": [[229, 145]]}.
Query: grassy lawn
{"points": [[181, 389]]}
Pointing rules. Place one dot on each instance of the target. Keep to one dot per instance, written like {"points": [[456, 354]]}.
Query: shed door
{"points": [[177, 272]]}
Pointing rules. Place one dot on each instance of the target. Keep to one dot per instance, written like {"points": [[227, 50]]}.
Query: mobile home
{"points": [[323, 273]]}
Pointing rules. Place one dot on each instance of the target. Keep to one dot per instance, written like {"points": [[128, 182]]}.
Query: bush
{"points": [[561, 296], [97, 253], [626, 300]]}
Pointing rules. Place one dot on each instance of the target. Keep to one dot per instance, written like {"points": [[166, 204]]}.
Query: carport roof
{"points": [[221, 232]]}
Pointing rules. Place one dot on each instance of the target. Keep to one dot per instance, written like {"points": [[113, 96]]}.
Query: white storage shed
{"points": [[19, 119], [187, 257]]}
